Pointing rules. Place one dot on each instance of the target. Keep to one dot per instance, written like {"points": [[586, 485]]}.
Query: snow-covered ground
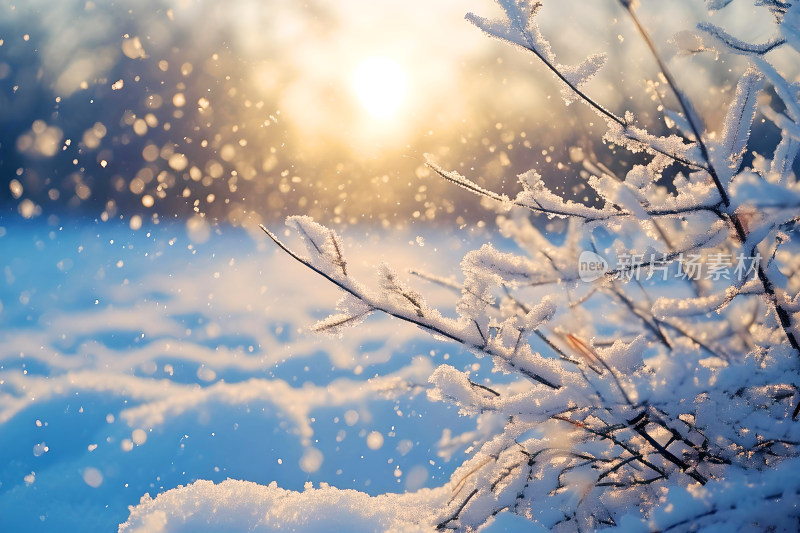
{"points": [[136, 362]]}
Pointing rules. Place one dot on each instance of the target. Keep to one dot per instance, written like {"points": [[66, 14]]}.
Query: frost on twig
{"points": [[324, 245], [741, 112], [520, 28]]}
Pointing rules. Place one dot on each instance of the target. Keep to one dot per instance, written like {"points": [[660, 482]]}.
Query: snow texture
{"points": [[245, 506]]}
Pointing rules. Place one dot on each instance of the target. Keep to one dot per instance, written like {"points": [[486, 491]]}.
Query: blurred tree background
{"points": [[246, 111]]}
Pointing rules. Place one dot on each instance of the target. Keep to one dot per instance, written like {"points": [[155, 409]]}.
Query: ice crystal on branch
{"points": [[520, 28]]}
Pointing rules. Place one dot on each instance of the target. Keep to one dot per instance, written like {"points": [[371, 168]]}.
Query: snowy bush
{"points": [[653, 345]]}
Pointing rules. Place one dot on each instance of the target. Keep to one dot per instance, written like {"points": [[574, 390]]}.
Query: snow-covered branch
{"points": [[667, 314]]}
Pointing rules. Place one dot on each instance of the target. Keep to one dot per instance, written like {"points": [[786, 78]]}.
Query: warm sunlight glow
{"points": [[381, 86]]}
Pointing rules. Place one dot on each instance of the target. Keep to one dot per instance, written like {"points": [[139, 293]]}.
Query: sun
{"points": [[380, 83]]}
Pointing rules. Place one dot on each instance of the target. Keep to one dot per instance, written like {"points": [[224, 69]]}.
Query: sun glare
{"points": [[380, 84]]}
